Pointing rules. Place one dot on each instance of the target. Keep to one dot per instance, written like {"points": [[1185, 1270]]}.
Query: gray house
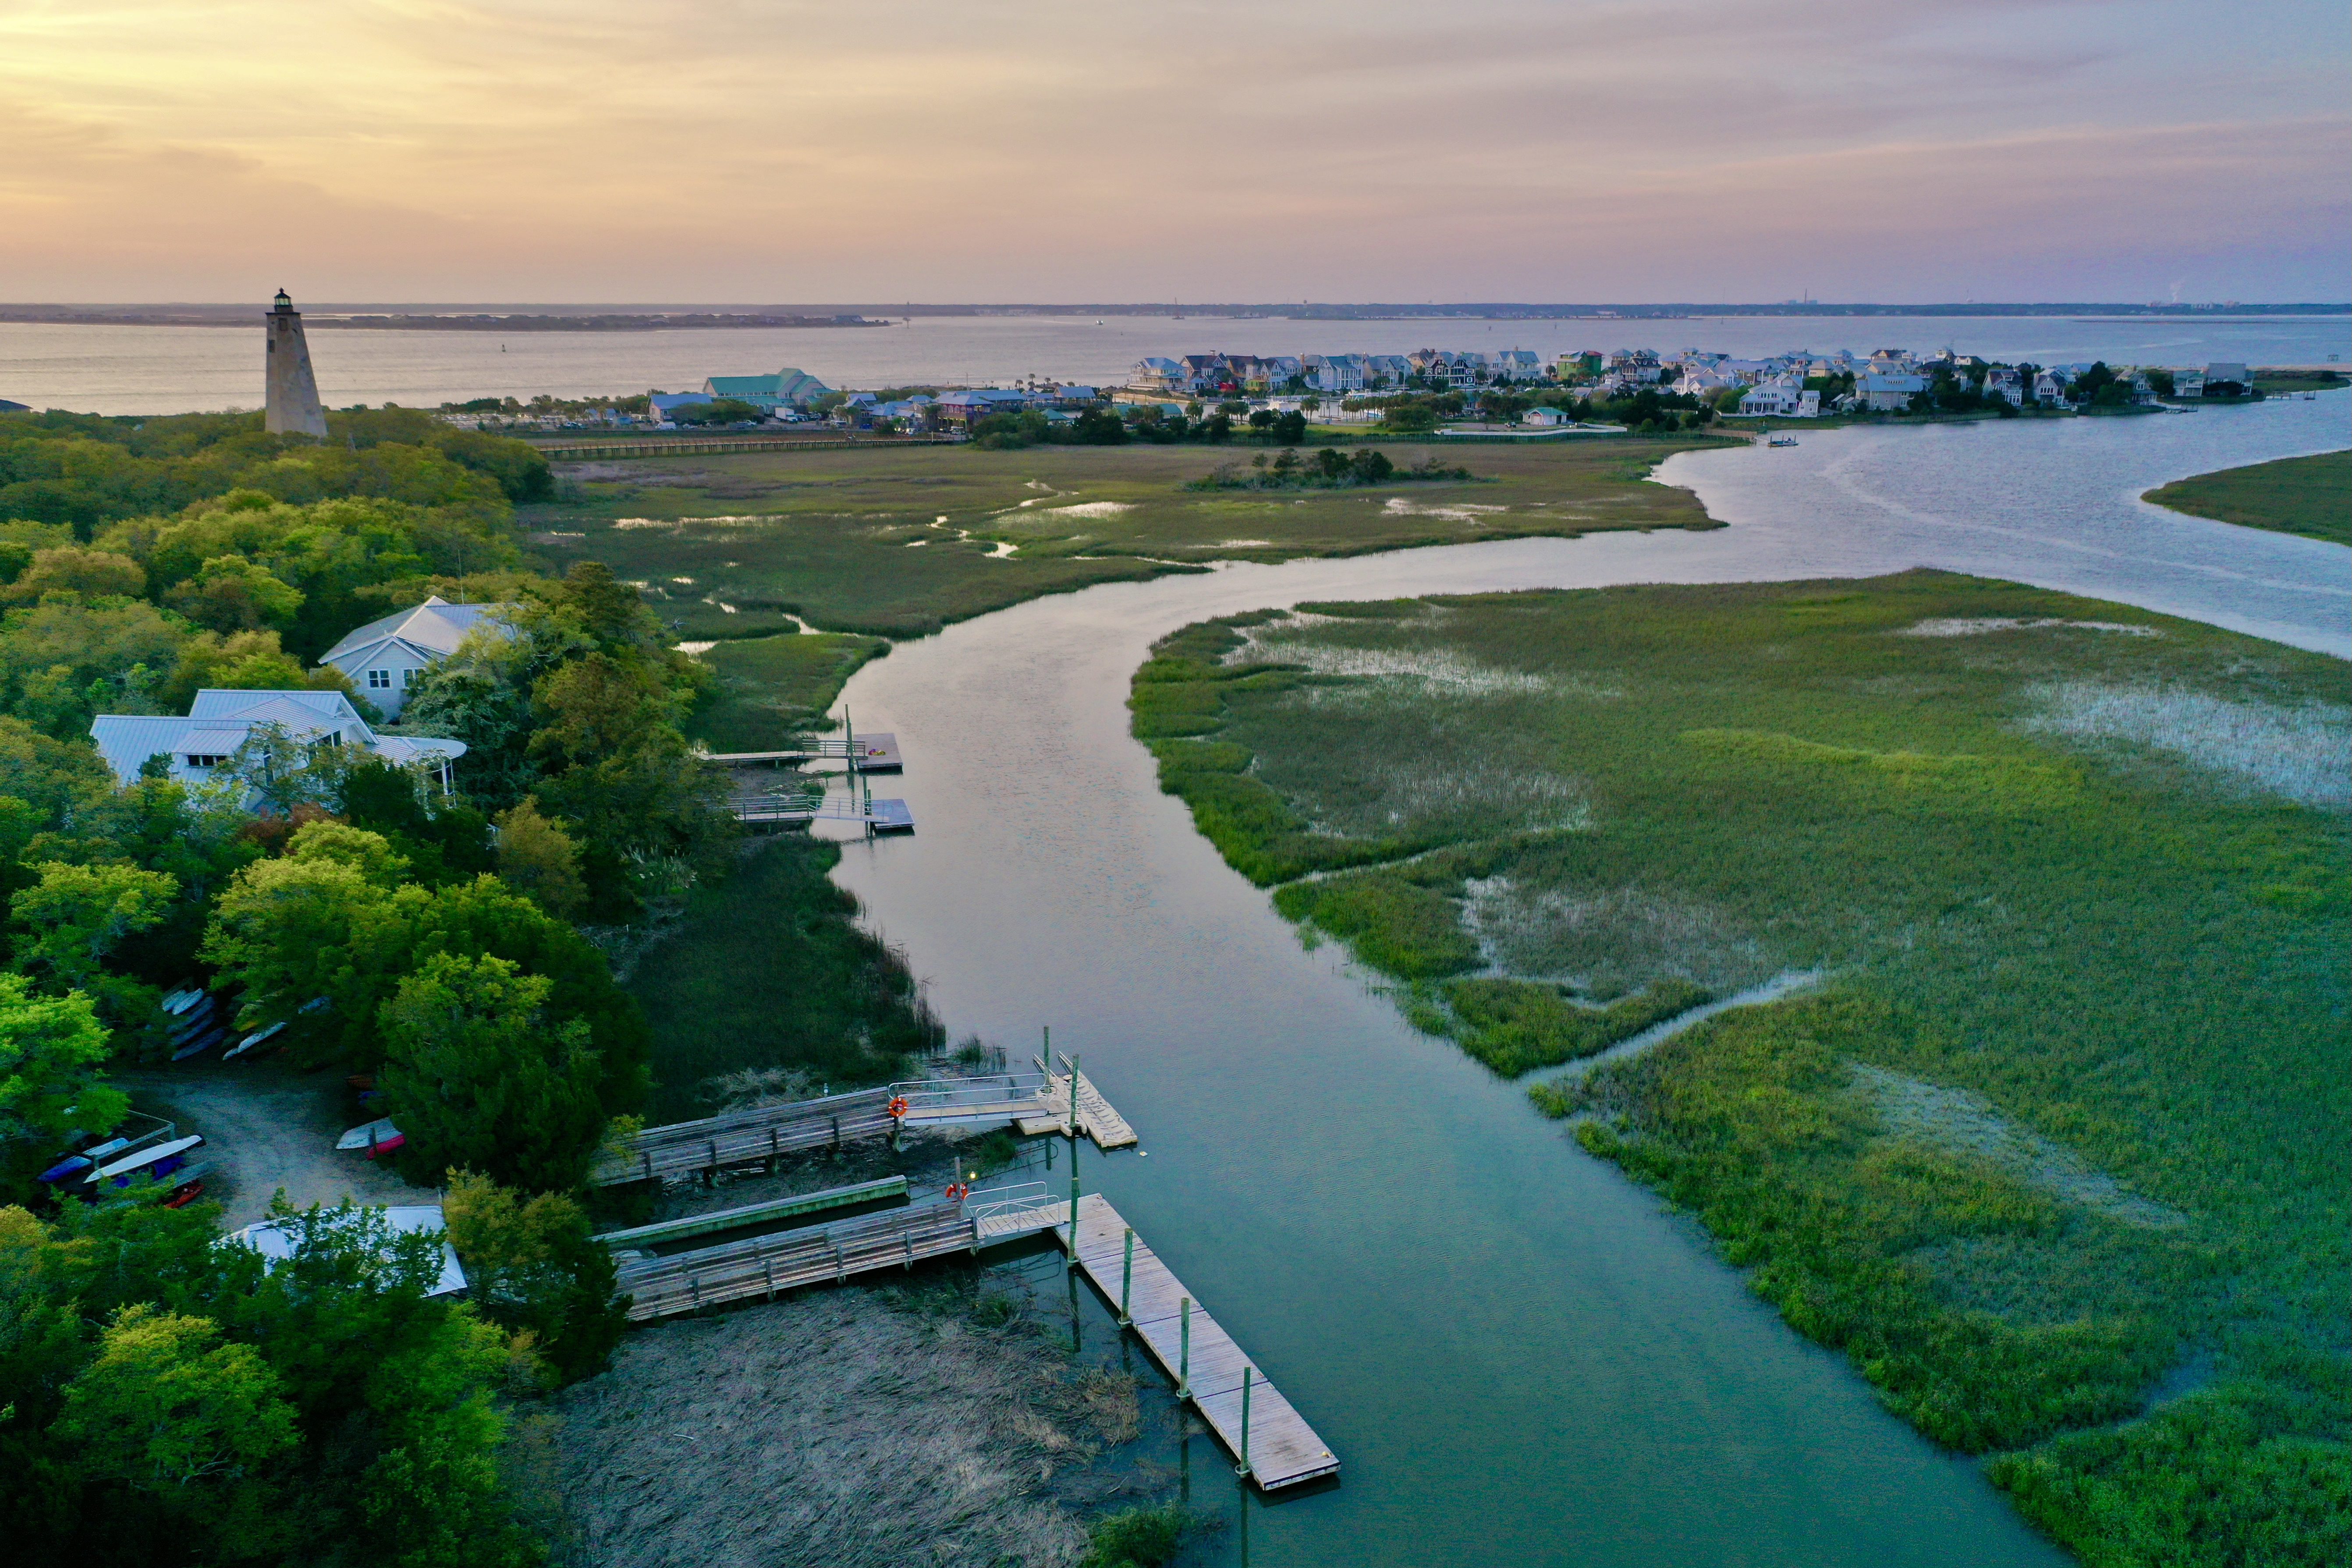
{"points": [[218, 723], [383, 656]]}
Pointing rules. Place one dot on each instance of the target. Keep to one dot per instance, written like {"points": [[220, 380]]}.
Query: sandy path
{"points": [[267, 1126]]}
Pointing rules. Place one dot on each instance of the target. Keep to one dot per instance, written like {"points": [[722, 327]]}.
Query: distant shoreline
{"points": [[374, 317]]}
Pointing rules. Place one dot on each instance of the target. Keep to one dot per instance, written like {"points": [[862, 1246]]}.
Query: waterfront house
{"points": [[197, 746], [2050, 385], [2006, 384], [2226, 377], [384, 657], [1783, 396], [2188, 384], [1887, 391], [1161, 376], [1518, 365], [1335, 373]]}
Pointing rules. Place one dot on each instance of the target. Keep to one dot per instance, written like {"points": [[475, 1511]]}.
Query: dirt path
{"points": [[266, 1127]]}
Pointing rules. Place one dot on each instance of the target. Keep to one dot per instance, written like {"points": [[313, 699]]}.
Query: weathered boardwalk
{"points": [[761, 1134], [1278, 1445], [764, 1264]]}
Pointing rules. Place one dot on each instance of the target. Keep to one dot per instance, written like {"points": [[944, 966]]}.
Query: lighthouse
{"points": [[293, 391]]}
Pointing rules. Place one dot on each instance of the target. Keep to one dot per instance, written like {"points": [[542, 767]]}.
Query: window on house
{"points": [[206, 759], [379, 679], [407, 679]]}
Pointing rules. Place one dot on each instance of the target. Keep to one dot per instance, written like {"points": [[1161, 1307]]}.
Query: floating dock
{"points": [[1096, 1120], [1276, 1443]]}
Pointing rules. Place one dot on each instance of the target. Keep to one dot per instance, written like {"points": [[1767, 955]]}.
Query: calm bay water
{"points": [[1519, 1357], [173, 370]]}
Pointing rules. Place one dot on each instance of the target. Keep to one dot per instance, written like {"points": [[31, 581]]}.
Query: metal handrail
{"points": [[945, 1094], [1020, 1198]]}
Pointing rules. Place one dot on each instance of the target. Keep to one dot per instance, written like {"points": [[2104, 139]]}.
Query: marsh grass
{"points": [[768, 983], [2072, 1110], [824, 535], [773, 690], [2293, 495]]}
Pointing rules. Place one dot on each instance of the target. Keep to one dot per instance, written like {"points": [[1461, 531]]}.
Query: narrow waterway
{"points": [[1519, 1357]]}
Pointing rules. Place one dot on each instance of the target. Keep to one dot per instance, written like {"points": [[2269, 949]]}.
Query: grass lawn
{"points": [[774, 688], [898, 543], [768, 972], [2065, 1118], [2309, 495]]}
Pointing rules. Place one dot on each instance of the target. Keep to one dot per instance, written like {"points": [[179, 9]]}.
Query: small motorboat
{"points": [[1781, 441]]}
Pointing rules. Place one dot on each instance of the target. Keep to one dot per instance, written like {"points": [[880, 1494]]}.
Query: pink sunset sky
{"points": [[1202, 150]]}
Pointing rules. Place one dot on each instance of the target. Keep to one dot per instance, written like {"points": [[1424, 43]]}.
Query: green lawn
{"points": [[852, 540], [2066, 1113], [2309, 495], [771, 689], [768, 971]]}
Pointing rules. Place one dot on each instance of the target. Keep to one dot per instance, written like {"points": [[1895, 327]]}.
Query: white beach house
{"points": [[383, 658]]}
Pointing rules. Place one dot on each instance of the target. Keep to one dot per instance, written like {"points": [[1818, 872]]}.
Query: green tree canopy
{"points": [[476, 1073], [51, 1052]]}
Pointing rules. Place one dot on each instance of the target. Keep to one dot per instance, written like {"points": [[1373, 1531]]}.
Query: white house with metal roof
{"points": [[383, 658], [218, 723]]}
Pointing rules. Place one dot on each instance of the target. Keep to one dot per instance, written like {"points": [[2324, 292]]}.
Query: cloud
{"points": [[785, 149]]}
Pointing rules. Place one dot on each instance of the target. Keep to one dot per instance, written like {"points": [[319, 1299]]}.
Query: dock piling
{"points": [[1126, 1278], [1244, 1467], [1184, 1350]]}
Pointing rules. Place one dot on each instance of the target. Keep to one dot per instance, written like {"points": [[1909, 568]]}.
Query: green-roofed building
{"points": [[788, 388]]}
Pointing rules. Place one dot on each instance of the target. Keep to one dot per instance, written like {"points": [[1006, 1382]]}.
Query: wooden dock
{"points": [[873, 752], [764, 1264], [1096, 1120], [1279, 1447], [760, 1135]]}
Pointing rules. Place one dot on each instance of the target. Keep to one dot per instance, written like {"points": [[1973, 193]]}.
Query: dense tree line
{"points": [[163, 1393]]}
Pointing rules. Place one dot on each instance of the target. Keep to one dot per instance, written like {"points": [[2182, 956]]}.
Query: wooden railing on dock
{"points": [[762, 1134], [1249, 1416], [764, 1264]]}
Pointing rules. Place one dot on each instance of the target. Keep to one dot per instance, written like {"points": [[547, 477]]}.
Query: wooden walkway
{"points": [[1281, 1448], [761, 1134], [868, 752], [764, 1264]]}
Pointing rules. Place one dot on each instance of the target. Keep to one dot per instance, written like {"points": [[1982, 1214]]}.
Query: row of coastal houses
{"points": [[1209, 374], [382, 659]]}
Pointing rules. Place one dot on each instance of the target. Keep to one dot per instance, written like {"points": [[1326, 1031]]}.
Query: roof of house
{"points": [[275, 1239], [219, 721], [791, 385], [435, 626], [663, 402]]}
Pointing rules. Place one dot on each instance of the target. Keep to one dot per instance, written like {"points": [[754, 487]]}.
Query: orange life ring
{"points": [[898, 1107]]}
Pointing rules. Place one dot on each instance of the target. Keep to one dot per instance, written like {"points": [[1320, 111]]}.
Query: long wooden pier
{"points": [[1263, 1430]]}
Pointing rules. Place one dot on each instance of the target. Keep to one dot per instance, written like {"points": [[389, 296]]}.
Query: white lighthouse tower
{"points": [[293, 408]]}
